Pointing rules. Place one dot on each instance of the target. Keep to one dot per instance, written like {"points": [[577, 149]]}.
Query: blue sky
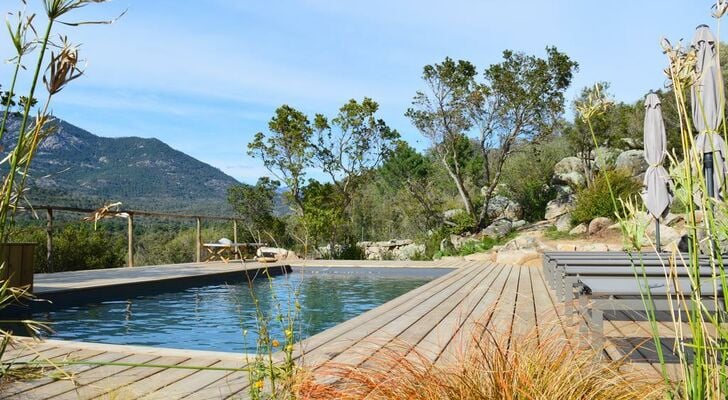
{"points": [[205, 76]]}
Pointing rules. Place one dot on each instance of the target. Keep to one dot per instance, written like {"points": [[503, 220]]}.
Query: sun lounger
{"points": [[617, 282]]}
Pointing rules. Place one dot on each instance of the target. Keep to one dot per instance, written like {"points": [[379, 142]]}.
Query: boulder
{"points": [[518, 224], [409, 251], [498, 229], [667, 234], [673, 219], [604, 157], [522, 243], [562, 190], [567, 165], [565, 247], [592, 247], [631, 143], [559, 206], [459, 241], [503, 207], [632, 161], [446, 246], [391, 250], [579, 229], [488, 257], [598, 224], [517, 257], [563, 224], [569, 171]]}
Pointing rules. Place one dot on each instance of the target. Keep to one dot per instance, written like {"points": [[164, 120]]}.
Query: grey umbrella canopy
{"points": [[657, 195], [707, 100]]}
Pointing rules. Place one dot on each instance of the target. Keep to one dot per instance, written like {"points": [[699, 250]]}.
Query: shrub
{"points": [[596, 201], [491, 366], [527, 174]]}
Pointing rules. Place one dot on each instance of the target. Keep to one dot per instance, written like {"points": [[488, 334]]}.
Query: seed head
{"points": [[63, 68]]}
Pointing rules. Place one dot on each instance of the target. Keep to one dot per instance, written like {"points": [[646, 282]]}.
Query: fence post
{"points": [[130, 240], [235, 231], [49, 239], [198, 248]]}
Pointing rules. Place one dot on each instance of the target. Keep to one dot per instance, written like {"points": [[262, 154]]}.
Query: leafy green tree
{"points": [[348, 148], [520, 99], [408, 169], [352, 144], [322, 215], [285, 150], [255, 205], [442, 115]]}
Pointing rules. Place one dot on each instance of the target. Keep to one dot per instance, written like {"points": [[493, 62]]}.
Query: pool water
{"points": [[221, 317]]}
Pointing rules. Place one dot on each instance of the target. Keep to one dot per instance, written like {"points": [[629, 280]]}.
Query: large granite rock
{"points": [[559, 206], [579, 229], [604, 157], [569, 171], [667, 234], [498, 229], [563, 223], [632, 161], [503, 207], [518, 257], [599, 224], [391, 250]]}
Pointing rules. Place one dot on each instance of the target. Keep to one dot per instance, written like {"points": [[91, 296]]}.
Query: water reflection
{"points": [[214, 317]]}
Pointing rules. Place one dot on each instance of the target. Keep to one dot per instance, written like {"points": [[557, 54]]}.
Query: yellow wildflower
{"points": [[259, 384], [275, 343]]}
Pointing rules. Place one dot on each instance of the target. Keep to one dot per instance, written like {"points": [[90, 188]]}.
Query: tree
{"points": [[408, 169], [349, 147], [254, 204], [285, 151], [520, 99], [442, 115], [352, 145]]}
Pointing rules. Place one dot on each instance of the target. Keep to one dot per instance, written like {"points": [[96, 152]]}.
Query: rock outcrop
{"points": [[391, 250]]}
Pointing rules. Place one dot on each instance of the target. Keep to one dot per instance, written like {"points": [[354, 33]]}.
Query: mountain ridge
{"points": [[73, 167]]}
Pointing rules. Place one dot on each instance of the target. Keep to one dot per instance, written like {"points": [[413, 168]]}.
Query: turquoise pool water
{"points": [[214, 317]]}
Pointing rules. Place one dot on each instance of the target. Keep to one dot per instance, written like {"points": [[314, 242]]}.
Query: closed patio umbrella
{"points": [[707, 107], [657, 195]]}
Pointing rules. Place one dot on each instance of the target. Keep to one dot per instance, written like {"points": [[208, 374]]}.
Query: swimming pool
{"points": [[221, 317]]}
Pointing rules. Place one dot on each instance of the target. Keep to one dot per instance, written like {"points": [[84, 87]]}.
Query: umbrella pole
{"points": [[708, 173], [657, 234]]}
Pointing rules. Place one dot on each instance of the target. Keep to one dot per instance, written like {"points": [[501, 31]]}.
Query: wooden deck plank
{"points": [[549, 321], [17, 387], [479, 318], [87, 377], [194, 382], [115, 383], [450, 328], [524, 319], [501, 322], [234, 385], [446, 316], [156, 382]]}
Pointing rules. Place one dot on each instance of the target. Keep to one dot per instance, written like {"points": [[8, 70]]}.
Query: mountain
{"points": [[74, 167]]}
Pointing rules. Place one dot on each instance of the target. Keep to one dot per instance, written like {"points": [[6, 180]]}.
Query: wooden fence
{"points": [[129, 215]]}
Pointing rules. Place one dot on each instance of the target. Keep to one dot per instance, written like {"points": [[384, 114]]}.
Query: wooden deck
{"points": [[433, 320]]}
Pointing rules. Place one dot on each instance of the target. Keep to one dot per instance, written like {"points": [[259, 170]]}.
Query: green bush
{"points": [[596, 201], [527, 174]]}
